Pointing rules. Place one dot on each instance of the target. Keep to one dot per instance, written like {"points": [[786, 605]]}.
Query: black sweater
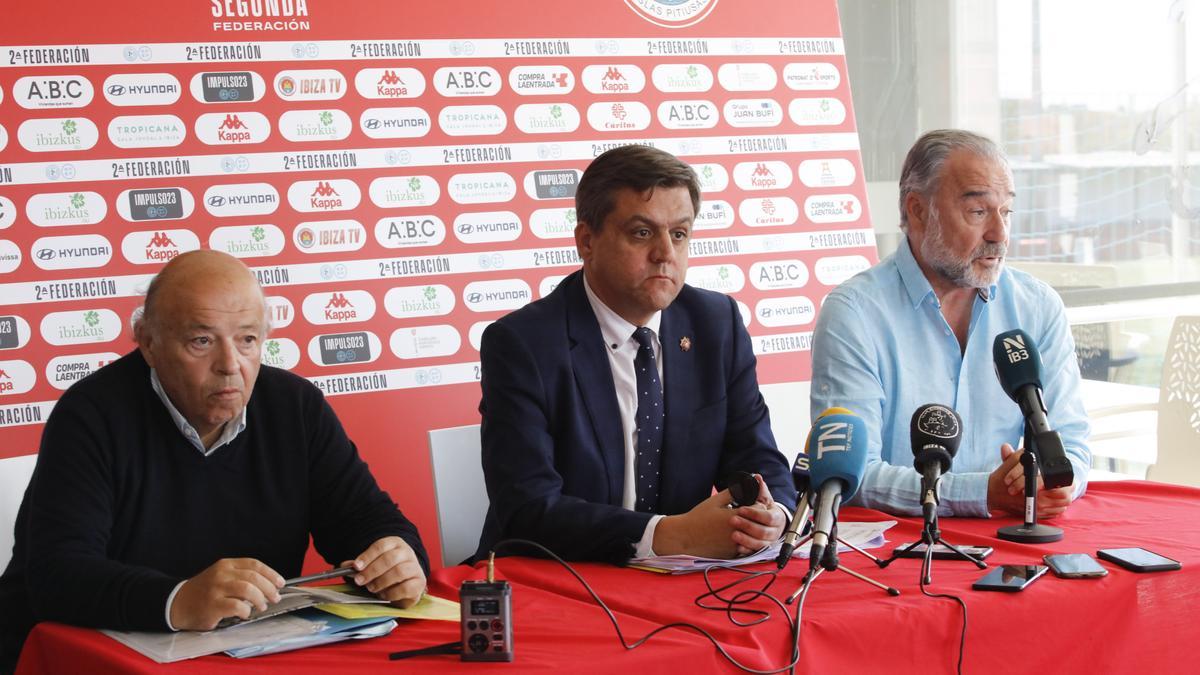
{"points": [[121, 507]]}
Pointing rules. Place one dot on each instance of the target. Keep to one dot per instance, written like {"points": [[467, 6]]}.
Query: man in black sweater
{"points": [[179, 485]]}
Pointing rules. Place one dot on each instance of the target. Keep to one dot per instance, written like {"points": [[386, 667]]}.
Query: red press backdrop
{"points": [[399, 175]]}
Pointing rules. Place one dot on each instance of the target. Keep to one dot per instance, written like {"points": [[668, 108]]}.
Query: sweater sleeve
{"points": [[349, 510], [69, 575]]}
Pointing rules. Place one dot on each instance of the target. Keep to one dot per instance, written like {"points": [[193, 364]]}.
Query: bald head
{"points": [[201, 330]]}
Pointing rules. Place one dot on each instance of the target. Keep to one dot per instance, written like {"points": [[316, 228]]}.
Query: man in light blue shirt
{"points": [[918, 328]]}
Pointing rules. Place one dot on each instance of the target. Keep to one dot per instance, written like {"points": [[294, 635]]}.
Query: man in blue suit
{"points": [[613, 406]]}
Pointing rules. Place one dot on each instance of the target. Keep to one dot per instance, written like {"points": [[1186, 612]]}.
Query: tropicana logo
{"points": [[233, 130]]}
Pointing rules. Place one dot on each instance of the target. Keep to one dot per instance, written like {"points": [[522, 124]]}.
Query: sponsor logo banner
{"points": [[241, 199], [314, 125], [496, 295], [8, 212], [138, 89], [10, 256], [487, 227], [338, 307], [155, 204], [547, 285], [280, 353], [389, 83], [771, 275], [58, 134], [237, 128], [41, 92], [720, 278], [472, 120], [157, 246], [55, 209], [481, 188], [71, 252], [613, 79], [280, 311], [672, 78], [794, 310], [475, 333], [833, 270], [14, 332], [408, 302], [546, 118], [687, 114], [63, 371], [618, 116], [715, 214], [146, 131], [410, 231], [310, 85], [552, 184], [753, 112], [713, 177], [747, 77], [811, 76], [467, 81], [331, 236], [834, 172], [228, 87], [79, 327], [553, 223], [312, 196], [768, 211], [422, 342], [541, 80], [841, 208], [394, 122], [342, 348], [397, 191], [762, 175], [16, 377], [816, 111]]}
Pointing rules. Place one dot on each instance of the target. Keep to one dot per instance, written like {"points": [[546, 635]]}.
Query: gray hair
{"points": [[922, 170]]}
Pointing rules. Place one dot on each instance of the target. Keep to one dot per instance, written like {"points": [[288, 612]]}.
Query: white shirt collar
{"points": [[231, 430], [615, 330]]}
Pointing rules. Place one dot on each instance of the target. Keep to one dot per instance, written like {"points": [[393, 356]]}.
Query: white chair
{"points": [[14, 477], [459, 490]]}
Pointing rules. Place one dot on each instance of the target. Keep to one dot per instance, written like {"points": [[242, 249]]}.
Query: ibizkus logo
{"points": [[720, 278], [408, 302], [228, 87], [753, 112], [672, 13], [832, 208], [787, 311], [54, 209], [811, 76], [329, 236], [834, 172], [467, 81], [80, 327], [807, 112], [310, 85], [488, 227], [481, 188], [397, 191], [833, 270], [157, 246], [129, 89], [146, 131], [552, 184], [63, 371], [10, 256], [546, 118], [773, 275], [472, 120], [762, 175], [314, 125], [14, 332], [280, 310], [280, 353], [239, 128], [394, 122], [613, 79], [155, 204], [747, 77], [338, 307], [16, 377], [72, 252], [424, 342], [687, 114], [247, 241], [389, 83], [309, 196], [553, 223], [410, 231], [712, 177], [714, 214], [618, 116], [41, 92], [58, 134], [769, 211], [343, 348], [496, 295], [682, 77], [241, 199], [541, 80]]}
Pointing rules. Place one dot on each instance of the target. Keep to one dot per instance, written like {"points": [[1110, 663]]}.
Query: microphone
{"points": [[1019, 369], [801, 478], [935, 431], [838, 453]]}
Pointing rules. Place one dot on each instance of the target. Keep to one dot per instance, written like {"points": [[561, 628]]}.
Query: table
{"points": [[1125, 622]]}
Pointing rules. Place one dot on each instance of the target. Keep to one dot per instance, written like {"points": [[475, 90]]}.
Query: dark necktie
{"points": [[648, 422]]}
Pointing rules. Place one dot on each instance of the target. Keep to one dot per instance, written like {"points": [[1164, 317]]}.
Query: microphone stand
{"points": [[930, 535], [829, 561], [1030, 532]]}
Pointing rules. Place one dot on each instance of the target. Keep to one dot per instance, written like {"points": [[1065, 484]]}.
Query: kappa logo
{"points": [[161, 240], [389, 83], [158, 246], [613, 79], [233, 130], [338, 301], [238, 128], [390, 79], [323, 189], [764, 175]]}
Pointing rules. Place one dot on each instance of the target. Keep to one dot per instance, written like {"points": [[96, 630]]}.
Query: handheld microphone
{"points": [[935, 431], [838, 455], [802, 479], [1019, 369]]}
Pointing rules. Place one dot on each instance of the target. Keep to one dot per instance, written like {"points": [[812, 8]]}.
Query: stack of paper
{"points": [[862, 535]]}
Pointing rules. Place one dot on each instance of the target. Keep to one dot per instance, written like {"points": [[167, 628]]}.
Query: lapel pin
{"points": [[685, 343]]}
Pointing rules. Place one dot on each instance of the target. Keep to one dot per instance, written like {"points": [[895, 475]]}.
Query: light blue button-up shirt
{"points": [[882, 349]]}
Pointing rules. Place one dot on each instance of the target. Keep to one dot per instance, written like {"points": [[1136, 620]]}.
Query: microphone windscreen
{"points": [[935, 431], [1017, 361], [801, 474], [837, 448]]}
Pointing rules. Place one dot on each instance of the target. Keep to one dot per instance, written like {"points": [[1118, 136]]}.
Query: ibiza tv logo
{"points": [[672, 13]]}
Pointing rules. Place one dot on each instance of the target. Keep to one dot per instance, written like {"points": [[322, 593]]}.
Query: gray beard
{"points": [[958, 271]]}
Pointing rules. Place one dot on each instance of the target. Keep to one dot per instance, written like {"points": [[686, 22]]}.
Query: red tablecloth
{"points": [[1125, 622]]}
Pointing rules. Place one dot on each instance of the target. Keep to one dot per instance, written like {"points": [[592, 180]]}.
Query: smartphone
{"points": [[1138, 559], [941, 552], [1074, 565], [1010, 578]]}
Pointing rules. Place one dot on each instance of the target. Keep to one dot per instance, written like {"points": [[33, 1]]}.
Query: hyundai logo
{"points": [[475, 298], [46, 254], [371, 123], [216, 200], [116, 90], [466, 228]]}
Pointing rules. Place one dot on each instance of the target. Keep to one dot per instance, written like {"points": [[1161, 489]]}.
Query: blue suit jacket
{"points": [[553, 455]]}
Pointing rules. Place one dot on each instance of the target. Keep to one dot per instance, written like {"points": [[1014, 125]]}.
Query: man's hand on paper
{"points": [[230, 587], [389, 569]]}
